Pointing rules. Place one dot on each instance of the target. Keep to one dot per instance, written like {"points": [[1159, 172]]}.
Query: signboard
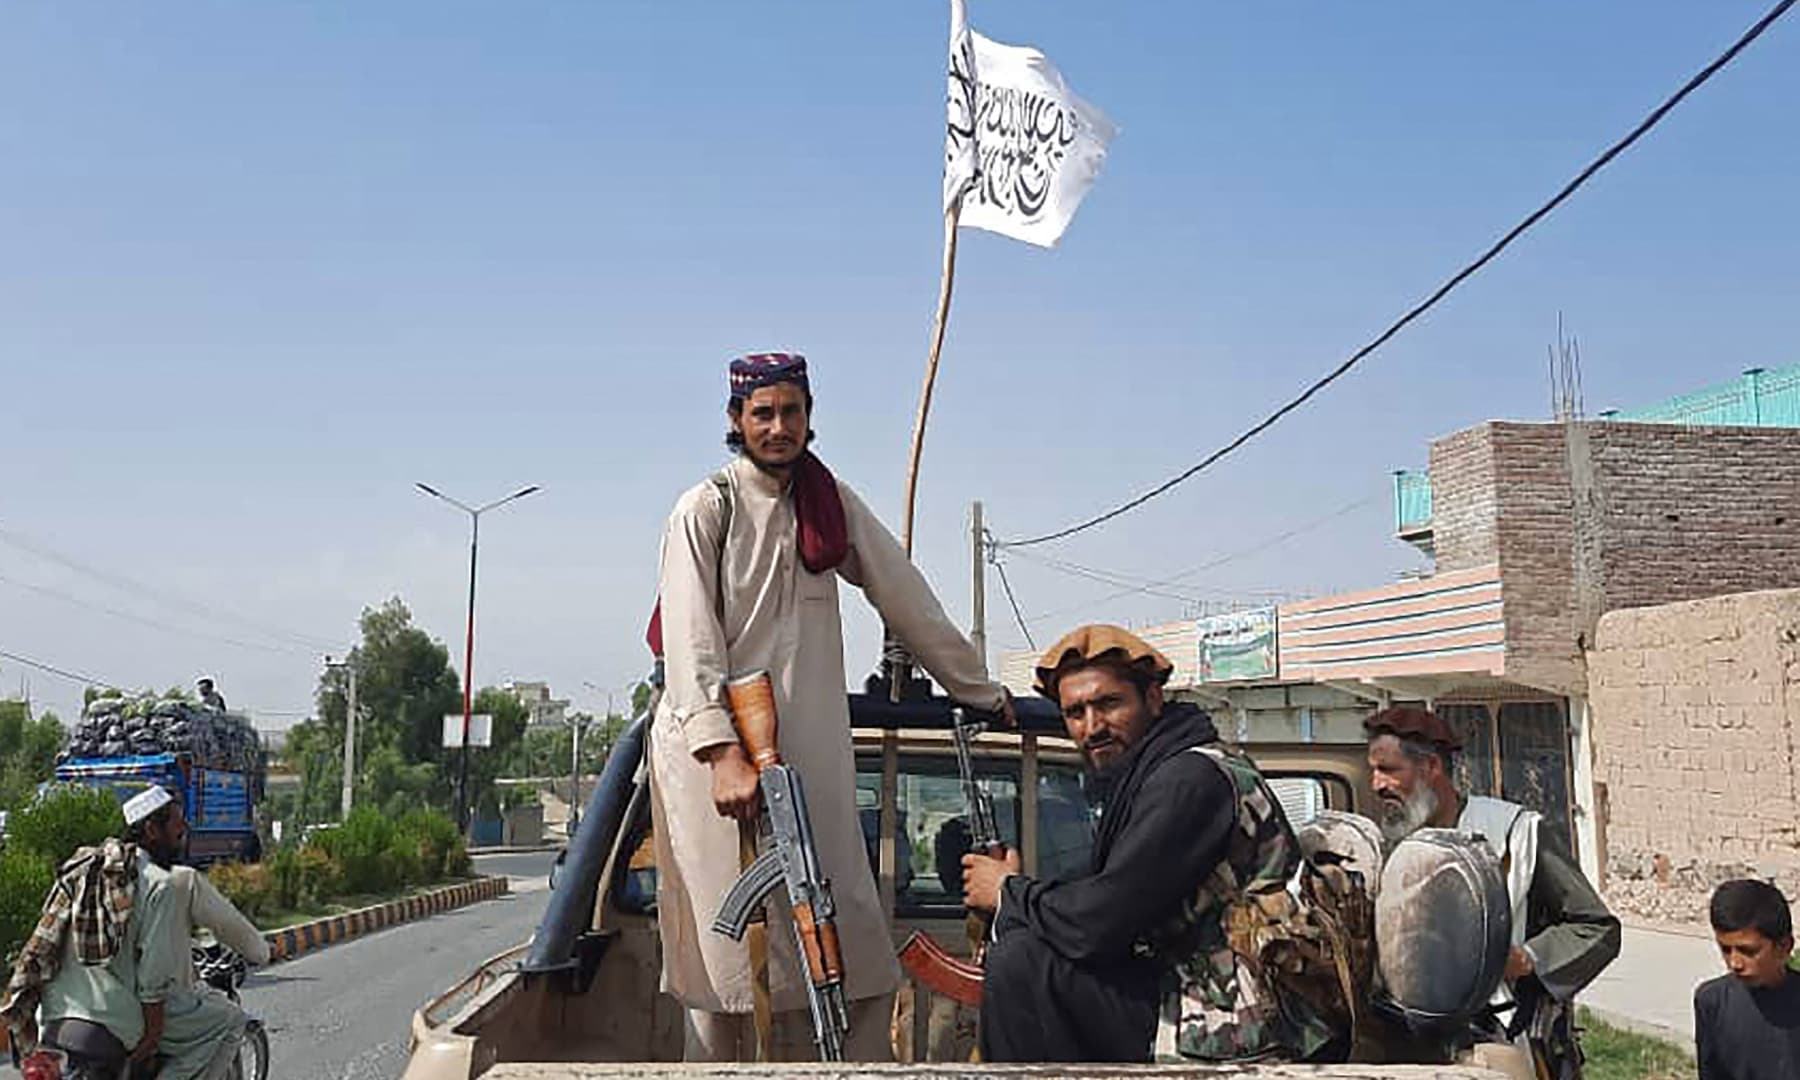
{"points": [[1238, 647], [481, 730]]}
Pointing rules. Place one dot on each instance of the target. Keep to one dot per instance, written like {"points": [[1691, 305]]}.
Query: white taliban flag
{"points": [[1020, 149]]}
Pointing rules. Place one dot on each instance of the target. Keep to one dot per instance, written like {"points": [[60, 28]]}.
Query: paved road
{"points": [[528, 865], [344, 1013]]}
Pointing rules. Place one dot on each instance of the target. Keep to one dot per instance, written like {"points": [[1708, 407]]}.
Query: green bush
{"points": [[434, 839], [66, 818], [246, 885], [302, 877], [321, 872], [25, 879], [362, 847]]}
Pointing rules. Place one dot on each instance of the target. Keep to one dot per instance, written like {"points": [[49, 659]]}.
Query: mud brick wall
{"points": [[1694, 707]]}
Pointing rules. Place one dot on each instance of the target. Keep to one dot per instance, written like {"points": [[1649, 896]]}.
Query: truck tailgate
{"points": [[972, 1071]]}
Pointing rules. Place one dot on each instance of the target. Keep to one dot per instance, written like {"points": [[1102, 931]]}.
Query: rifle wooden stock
{"points": [[824, 957], [752, 700], [927, 962], [786, 836]]}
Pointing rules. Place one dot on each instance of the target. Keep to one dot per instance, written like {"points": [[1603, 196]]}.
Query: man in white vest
{"points": [[1563, 933]]}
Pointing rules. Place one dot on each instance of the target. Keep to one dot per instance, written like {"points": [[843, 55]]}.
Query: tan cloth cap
{"points": [[1085, 644]]}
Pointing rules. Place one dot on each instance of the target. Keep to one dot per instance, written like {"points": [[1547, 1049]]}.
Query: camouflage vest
{"points": [[1236, 947]]}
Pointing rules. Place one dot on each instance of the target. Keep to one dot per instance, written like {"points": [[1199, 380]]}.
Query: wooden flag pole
{"points": [[951, 218]]}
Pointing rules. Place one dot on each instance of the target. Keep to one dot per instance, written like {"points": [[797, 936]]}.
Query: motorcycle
{"points": [[71, 1049]]}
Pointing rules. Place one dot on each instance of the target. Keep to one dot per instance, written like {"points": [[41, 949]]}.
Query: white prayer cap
{"points": [[146, 803]]}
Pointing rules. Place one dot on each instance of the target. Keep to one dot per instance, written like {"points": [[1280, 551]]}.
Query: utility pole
{"points": [[978, 601], [349, 743], [575, 722], [349, 792]]}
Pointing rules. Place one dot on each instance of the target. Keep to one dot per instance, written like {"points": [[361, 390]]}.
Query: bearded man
{"points": [[1131, 961], [1563, 933], [750, 567], [113, 950]]}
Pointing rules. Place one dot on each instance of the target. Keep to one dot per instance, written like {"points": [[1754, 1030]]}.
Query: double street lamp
{"points": [[474, 512]]}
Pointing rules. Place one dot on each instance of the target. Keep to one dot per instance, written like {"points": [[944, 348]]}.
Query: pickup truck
{"points": [[581, 998]]}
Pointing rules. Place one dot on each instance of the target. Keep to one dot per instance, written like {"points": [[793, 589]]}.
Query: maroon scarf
{"points": [[822, 532]]}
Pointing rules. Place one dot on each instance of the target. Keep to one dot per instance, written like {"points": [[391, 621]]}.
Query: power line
{"points": [[52, 669], [1136, 583], [16, 539], [154, 624], [1242, 553], [1655, 117], [1006, 584], [1106, 578]]}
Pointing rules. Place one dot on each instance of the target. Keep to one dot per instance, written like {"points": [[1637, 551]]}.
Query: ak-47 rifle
{"points": [[787, 853], [922, 957]]}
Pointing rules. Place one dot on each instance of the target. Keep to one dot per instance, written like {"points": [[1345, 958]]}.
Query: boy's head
{"points": [[1755, 931]]}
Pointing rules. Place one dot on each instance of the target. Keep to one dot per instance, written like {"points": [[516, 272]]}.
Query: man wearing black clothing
{"points": [[1747, 1023], [1129, 962]]}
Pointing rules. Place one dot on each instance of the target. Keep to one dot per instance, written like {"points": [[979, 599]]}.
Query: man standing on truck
{"points": [[1563, 933], [1131, 962], [750, 564], [210, 697]]}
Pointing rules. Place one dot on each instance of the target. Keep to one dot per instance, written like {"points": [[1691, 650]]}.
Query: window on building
{"points": [[1475, 766]]}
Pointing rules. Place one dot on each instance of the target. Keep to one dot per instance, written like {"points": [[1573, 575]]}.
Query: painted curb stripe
{"points": [[296, 941]]}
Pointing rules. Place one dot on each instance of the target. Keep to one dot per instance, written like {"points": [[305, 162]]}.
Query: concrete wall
{"points": [[1612, 515], [1694, 707]]}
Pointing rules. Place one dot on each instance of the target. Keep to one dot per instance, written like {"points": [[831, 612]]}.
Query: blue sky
{"points": [[264, 266]]}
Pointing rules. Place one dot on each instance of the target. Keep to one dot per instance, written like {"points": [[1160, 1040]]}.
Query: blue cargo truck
{"points": [[220, 803]]}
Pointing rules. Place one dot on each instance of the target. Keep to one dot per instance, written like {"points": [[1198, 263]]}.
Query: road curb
{"points": [[293, 942]]}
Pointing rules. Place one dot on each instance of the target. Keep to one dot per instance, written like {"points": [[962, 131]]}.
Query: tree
{"points": [[386, 781], [486, 763], [317, 754], [545, 751], [405, 687], [28, 748]]}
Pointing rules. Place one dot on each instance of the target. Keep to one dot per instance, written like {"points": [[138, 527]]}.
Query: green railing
{"points": [[1412, 500], [1760, 398]]}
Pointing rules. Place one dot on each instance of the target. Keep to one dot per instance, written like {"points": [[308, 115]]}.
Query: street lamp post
{"points": [[474, 512]]}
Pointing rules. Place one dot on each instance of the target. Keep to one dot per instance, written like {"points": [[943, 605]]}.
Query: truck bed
{"points": [[973, 1071]]}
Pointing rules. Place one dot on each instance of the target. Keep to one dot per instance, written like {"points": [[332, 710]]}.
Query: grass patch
{"points": [[1616, 1054]]}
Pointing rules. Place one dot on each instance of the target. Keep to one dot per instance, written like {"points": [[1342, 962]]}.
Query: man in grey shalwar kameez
{"points": [[750, 567], [148, 994]]}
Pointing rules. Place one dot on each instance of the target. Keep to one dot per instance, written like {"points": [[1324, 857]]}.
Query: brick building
{"points": [[1537, 531]]}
